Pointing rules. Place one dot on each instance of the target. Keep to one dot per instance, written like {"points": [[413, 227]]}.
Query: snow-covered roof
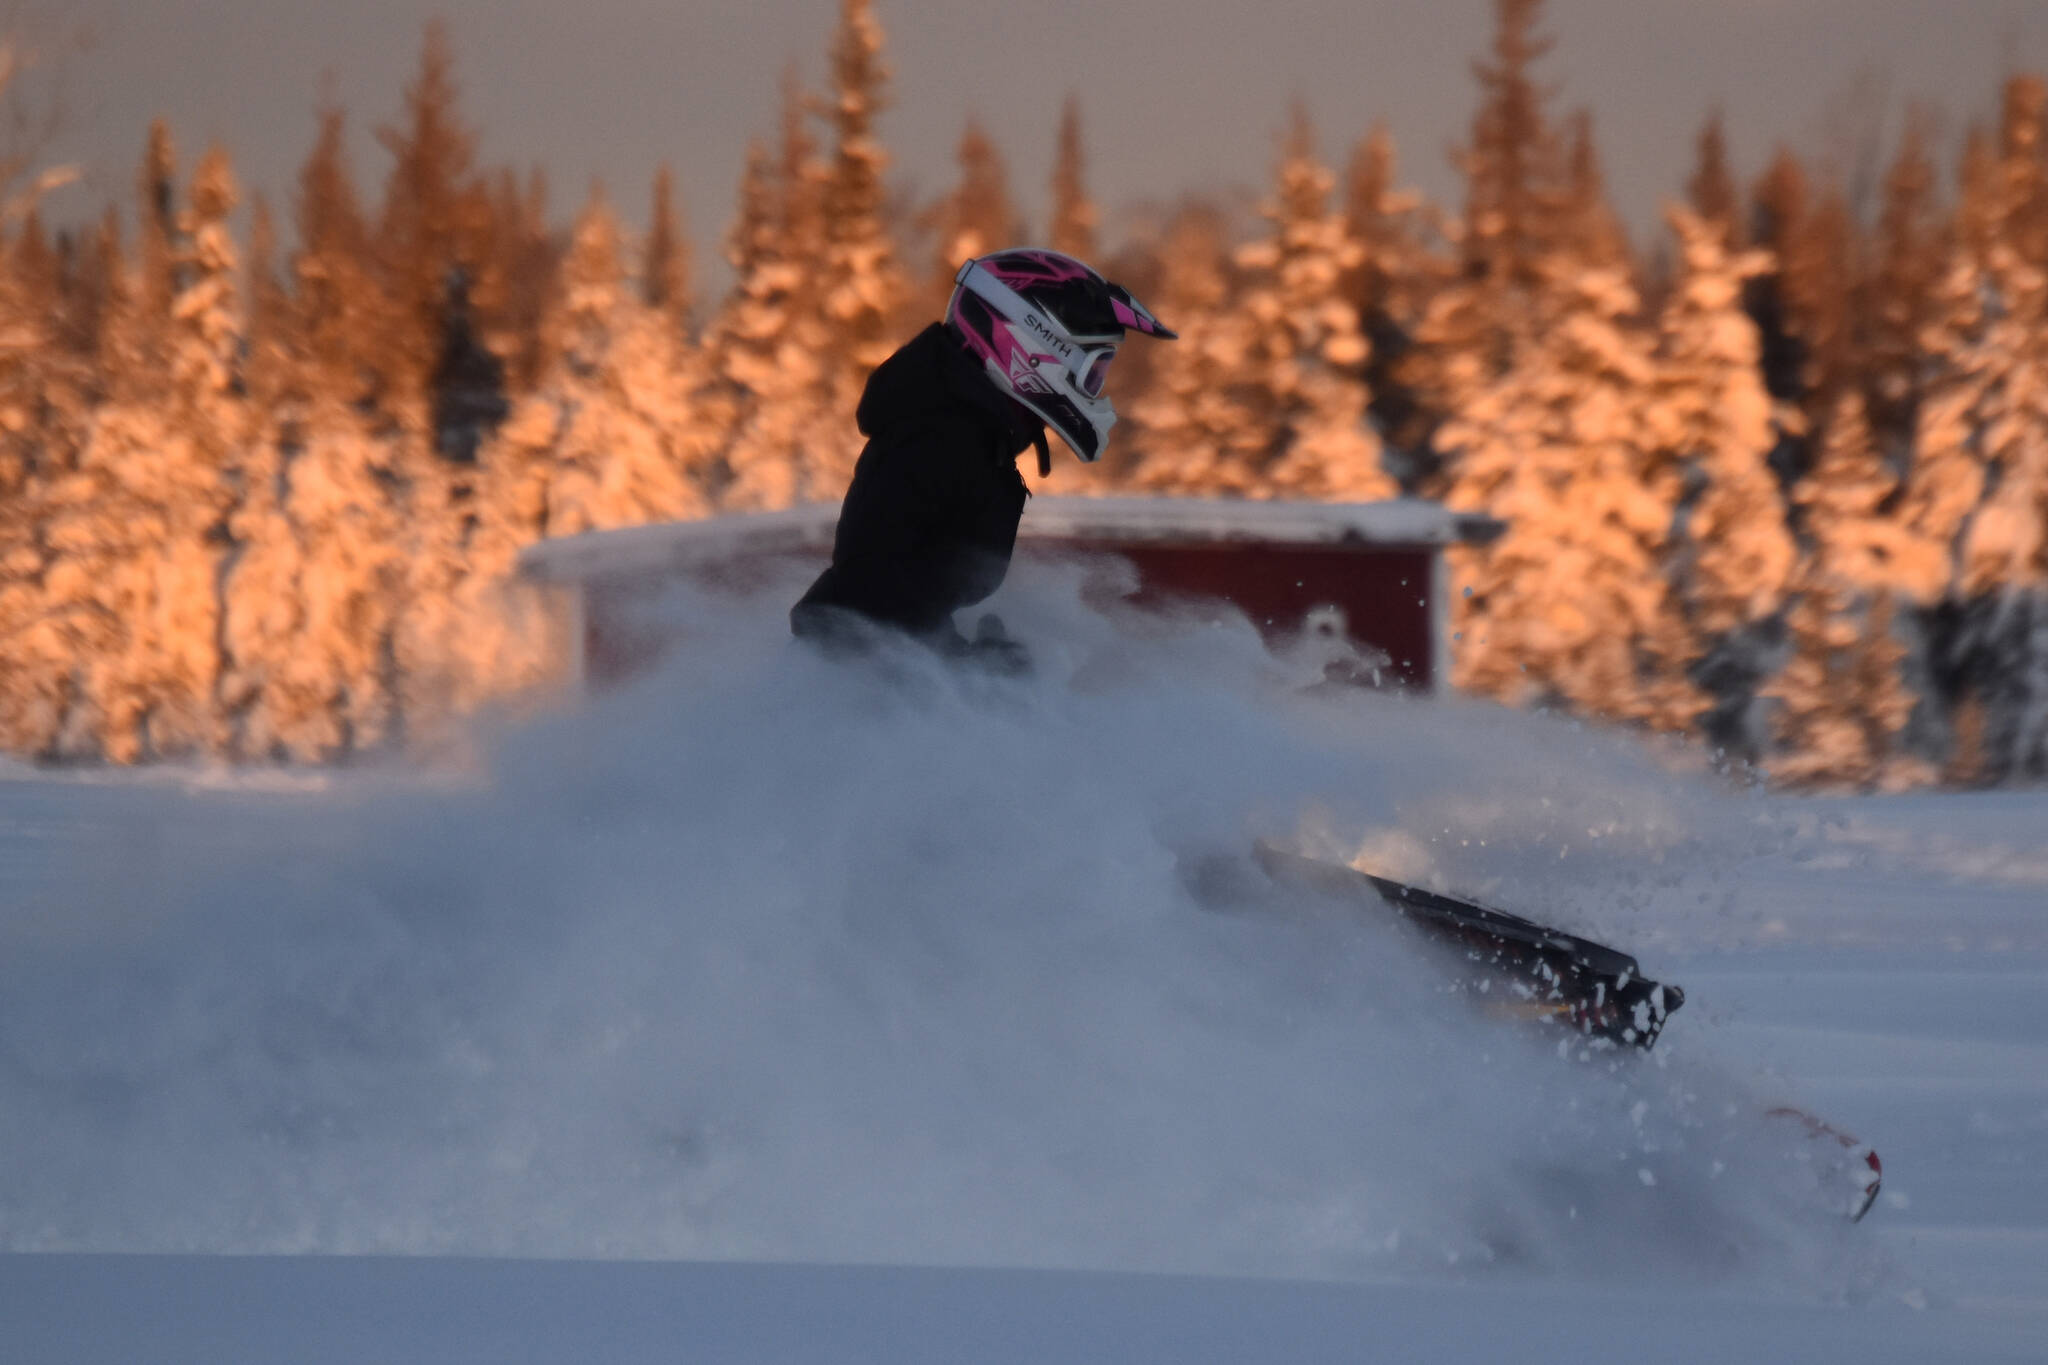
{"points": [[679, 544], [1399, 521], [687, 544]]}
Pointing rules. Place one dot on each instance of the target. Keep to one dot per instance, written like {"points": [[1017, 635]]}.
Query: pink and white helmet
{"points": [[1046, 327]]}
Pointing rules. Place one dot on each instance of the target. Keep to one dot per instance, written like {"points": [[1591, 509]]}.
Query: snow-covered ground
{"points": [[777, 1011]]}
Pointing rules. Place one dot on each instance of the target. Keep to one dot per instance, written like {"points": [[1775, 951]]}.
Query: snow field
{"points": [[769, 961]]}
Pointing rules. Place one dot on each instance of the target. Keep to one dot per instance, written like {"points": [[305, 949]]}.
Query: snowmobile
{"points": [[1518, 970]]}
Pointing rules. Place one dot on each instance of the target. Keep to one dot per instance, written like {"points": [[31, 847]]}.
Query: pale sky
{"points": [[1176, 96]]}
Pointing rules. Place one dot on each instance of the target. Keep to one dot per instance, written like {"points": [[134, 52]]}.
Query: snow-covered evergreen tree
{"points": [[1964, 357], [1586, 218], [1851, 519], [178, 651], [1545, 388], [1992, 354], [313, 597], [1847, 693], [1572, 605], [45, 383], [1075, 218], [2022, 168], [421, 231], [1513, 166], [439, 438], [1802, 300], [665, 262], [45, 390], [1714, 422], [769, 346], [261, 562], [2005, 543], [1979, 482], [268, 344], [1192, 430], [312, 591], [438, 511], [1906, 268], [135, 535], [521, 259], [1711, 191], [977, 217], [342, 312], [1305, 351], [860, 285], [1390, 287], [154, 282], [1507, 244], [619, 432]]}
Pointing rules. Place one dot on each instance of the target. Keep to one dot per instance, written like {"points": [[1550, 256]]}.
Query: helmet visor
{"points": [[1097, 373]]}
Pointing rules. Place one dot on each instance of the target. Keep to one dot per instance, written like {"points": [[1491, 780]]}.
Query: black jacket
{"points": [[931, 516]]}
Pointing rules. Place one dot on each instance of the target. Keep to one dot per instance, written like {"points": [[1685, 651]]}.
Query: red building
{"points": [[1372, 573]]}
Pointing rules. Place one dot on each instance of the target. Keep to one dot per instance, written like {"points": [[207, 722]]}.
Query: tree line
{"points": [[1780, 480]]}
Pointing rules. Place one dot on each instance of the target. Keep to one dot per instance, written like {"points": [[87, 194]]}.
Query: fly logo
{"points": [[1048, 335], [1024, 376]]}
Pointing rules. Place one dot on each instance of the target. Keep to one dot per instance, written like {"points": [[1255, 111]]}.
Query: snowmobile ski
{"points": [[1851, 1164], [1525, 970], [1542, 974]]}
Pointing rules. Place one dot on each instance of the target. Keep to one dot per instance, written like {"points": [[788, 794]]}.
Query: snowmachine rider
{"points": [[930, 518]]}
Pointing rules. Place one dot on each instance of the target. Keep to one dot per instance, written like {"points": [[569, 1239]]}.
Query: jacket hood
{"points": [[932, 373]]}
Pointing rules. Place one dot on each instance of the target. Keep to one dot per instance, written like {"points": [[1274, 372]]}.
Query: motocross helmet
{"points": [[1046, 328]]}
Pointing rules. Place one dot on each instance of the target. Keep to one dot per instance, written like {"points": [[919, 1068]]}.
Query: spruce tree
{"points": [[770, 345], [342, 313], [517, 280], [199, 467], [1075, 218], [1586, 218], [858, 281], [311, 589], [976, 218], [2023, 168], [1980, 480], [1905, 271], [135, 536], [1390, 287], [861, 283], [335, 694], [269, 343], [2005, 544], [1508, 242], [1192, 428], [1964, 356], [1572, 606], [1714, 422], [44, 387], [1511, 165], [1847, 695], [426, 229], [1712, 191], [88, 286], [1803, 303], [1305, 352], [34, 267], [616, 440], [44, 421], [665, 264], [142, 320]]}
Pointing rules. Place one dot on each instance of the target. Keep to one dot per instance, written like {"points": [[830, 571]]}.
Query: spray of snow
{"points": [[768, 957]]}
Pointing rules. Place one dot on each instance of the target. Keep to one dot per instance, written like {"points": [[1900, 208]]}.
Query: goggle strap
{"points": [[978, 279]]}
